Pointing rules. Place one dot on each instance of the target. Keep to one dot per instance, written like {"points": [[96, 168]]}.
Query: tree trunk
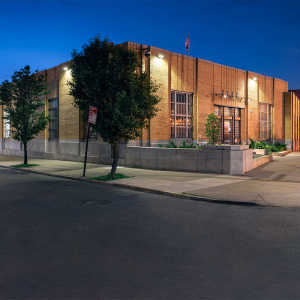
{"points": [[115, 161], [25, 153]]}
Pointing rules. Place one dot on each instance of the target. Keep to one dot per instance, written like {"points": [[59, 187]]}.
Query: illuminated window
{"points": [[230, 124], [264, 121], [54, 122], [181, 115], [6, 126]]}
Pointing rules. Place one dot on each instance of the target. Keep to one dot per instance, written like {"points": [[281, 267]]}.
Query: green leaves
{"points": [[212, 128], [22, 98], [104, 75], [276, 147]]}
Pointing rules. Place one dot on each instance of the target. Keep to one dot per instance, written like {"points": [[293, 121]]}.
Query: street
{"points": [[66, 239]]}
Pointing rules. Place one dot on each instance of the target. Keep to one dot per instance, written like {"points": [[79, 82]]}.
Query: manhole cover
{"points": [[96, 202]]}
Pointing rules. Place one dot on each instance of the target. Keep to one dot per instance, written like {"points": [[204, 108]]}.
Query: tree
{"points": [[212, 128], [105, 76], [21, 99]]}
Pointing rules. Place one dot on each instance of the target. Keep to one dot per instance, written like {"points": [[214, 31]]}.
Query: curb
{"points": [[145, 190], [185, 196], [282, 153]]}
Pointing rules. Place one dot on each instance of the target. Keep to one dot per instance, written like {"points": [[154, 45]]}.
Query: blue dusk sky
{"points": [[262, 36]]}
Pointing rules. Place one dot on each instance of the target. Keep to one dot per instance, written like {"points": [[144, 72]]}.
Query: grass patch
{"points": [[24, 165], [108, 177]]}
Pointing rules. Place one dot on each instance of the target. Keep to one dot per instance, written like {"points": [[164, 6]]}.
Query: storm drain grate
{"points": [[98, 202]]}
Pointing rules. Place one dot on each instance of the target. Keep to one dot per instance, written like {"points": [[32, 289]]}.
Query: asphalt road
{"points": [[64, 239]]}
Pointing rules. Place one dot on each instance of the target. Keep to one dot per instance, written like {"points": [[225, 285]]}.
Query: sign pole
{"points": [[86, 147], [92, 119]]}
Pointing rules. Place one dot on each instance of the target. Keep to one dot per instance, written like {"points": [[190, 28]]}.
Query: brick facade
{"points": [[211, 84], [292, 119], [207, 80]]}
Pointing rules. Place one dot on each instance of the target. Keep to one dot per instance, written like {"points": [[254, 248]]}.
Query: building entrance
{"points": [[230, 124], [227, 132]]}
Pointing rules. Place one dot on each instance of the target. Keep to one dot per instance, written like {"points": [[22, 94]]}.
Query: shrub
{"points": [[252, 144], [184, 144], [212, 128], [171, 145], [276, 147], [282, 147]]}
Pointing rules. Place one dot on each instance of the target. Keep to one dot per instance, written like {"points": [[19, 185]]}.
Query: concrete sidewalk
{"points": [[273, 184]]}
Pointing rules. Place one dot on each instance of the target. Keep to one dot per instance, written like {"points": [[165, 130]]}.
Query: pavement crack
{"points": [[260, 197]]}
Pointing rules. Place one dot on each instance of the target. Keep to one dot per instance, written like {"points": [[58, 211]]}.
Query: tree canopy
{"points": [[106, 76], [21, 99]]}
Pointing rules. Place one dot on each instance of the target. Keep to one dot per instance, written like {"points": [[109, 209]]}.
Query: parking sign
{"points": [[93, 114]]}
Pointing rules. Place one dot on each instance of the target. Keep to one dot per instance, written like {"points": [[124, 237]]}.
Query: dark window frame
{"points": [[264, 121], [181, 115], [53, 127], [6, 126], [232, 114]]}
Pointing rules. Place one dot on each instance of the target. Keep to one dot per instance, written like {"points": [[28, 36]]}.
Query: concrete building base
{"points": [[222, 159], [225, 159]]}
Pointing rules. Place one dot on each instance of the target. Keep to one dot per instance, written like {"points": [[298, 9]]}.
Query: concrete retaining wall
{"points": [[261, 160], [72, 150], [227, 159], [222, 159], [260, 151]]}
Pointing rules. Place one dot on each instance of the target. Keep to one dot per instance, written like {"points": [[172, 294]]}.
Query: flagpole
{"points": [[189, 42]]}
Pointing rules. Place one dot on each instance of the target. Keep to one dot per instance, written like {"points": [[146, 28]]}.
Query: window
{"points": [[181, 115], [54, 122], [264, 121], [237, 125], [6, 126], [230, 124], [92, 135]]}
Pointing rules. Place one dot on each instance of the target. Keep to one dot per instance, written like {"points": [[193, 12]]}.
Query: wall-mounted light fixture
{"points": [[254, 78], [147, 52], [160, 55], [66, 68]]}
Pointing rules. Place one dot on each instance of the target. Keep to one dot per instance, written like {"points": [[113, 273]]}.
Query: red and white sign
{"points": [[93, 114]]}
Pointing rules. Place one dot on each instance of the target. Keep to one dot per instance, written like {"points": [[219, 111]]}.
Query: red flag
{"points": [[187, 43]]}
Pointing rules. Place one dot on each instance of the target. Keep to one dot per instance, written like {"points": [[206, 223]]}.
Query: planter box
{"points": [[283, 153], [260, 151], [221, 159]]}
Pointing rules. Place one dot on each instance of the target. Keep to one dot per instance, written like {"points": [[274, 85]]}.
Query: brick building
{"points": [[292, 119], [248, 105]]}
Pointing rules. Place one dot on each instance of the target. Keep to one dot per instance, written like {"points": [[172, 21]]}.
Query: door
{"points": [[227, 132]]}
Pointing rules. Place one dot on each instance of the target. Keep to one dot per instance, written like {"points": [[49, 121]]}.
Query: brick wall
{"points": [[292, 119], [205, 79], [160, 126], [68, 113]]}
